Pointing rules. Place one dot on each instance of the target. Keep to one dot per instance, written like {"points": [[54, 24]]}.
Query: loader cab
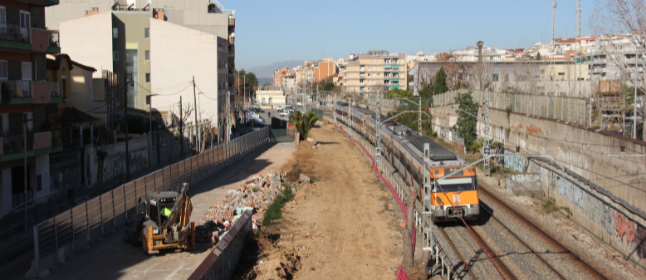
{"points": [[159, 207]]}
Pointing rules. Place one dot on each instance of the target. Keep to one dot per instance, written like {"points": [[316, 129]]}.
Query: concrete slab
{"points": [[111, 258]]}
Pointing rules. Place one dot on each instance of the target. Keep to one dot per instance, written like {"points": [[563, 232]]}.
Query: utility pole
{"points": [[197, 127], [635, 101], [419, 117], [377, 131], [125, 109], [487, 150], [181, 129], [24, 137]]}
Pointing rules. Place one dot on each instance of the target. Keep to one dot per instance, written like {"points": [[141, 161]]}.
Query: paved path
{"points": [[111, 258]]}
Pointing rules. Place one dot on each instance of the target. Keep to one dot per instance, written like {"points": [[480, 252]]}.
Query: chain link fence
{"points": [[74, 228]]}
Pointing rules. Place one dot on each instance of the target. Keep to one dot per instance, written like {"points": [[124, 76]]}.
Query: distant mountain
{"points": [[267, 71], [262, 81]]}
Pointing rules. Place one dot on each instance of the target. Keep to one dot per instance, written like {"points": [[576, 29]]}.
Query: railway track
{"points": [[538, 254], [521, 251], [519, 248]]}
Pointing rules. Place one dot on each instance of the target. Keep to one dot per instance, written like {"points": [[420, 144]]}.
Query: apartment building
{"points": [[208, 17], [366, 73], [323, 70], [531, 76], [26, 98], [116, 36], [280, 74], [176, 62], [613, 57]]}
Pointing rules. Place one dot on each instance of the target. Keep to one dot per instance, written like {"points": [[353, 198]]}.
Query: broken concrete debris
{"points": [[255, 195]]}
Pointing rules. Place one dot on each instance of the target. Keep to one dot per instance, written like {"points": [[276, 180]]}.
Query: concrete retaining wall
{"points": [[222, 261]]}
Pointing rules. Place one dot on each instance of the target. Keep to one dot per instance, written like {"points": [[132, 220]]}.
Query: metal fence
{"points": [[101, 215], [570, 109]]}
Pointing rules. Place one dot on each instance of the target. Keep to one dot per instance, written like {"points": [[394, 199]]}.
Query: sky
{"points": [[272, 31]]}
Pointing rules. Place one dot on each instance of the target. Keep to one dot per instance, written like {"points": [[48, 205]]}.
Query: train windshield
{"points": [[456, 184]]}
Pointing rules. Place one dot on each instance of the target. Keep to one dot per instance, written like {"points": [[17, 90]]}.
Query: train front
{"points": [[454, 196]]}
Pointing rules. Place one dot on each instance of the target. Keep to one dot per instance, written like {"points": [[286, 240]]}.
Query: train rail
{"points": [[563, 263], [520, 248]]}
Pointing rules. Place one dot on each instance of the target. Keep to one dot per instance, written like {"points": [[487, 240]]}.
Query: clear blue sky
{"points": [[278, 30]]}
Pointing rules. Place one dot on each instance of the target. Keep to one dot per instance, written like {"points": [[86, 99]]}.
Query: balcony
{"points": [[99, 106], [42, 140], [39, 40], [55, 92], [232, 21], [41, 92], [14, 37], [42, 2], [231, 40], [12, 147]]}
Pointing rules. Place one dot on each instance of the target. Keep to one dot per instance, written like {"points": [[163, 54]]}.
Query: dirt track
{"points": [[344, 226]]}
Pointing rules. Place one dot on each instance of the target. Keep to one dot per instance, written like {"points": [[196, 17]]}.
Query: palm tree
{"points": [[304, 123]]}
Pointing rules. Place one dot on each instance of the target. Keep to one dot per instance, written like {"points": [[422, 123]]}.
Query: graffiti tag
{"points": [[624, 226]]}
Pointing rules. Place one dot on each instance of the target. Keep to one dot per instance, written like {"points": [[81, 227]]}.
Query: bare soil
{"points": [[342, 226]]}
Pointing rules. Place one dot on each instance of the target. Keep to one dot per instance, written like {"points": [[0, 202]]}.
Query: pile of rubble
{"points": [[254, 195]]}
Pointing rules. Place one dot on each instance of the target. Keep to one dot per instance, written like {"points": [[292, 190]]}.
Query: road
{"points": [[111, 258]]}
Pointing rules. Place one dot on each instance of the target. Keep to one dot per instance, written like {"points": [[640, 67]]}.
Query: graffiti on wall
{"points": [[517, 163], [620, 228]]}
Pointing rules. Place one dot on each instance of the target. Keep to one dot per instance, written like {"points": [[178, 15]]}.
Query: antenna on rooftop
{"points": [[554, 3]]}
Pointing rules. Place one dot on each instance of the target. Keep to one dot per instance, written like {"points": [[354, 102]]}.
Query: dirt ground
{"points": [[343, 226]]}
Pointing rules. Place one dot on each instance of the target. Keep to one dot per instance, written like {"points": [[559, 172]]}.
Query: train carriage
{"points": [[404, 149]]}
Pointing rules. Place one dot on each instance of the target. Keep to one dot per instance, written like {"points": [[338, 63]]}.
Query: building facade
{"points": [[366, 73], [26, 98]]}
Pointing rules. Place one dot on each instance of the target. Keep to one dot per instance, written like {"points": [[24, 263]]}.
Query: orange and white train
{"points": [[404, 149]]}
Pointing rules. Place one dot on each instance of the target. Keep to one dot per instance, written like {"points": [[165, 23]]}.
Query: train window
{"points": [[457, 184]]}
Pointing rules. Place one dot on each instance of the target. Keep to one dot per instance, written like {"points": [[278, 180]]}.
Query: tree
{"points": [[440, 82], [304, 123], [538, 56], [395, 93], [620, 17], [466, 124], [246, 82]]}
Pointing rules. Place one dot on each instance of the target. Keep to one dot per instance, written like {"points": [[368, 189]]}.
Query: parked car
{"points": [[251, 115], [287, 112], [280, 108]]}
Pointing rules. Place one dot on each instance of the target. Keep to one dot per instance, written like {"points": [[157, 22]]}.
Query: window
{"points": [[3, 20], [4, 70], [26, 71], [147, 55], [495, 77], [25, 19], [147, 32], [115, 55], [561, 73], [25, 23], [115, 33], [147, 77]]}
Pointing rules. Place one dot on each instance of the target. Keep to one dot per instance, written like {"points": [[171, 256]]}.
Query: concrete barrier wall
{"points": [[222, 261]]}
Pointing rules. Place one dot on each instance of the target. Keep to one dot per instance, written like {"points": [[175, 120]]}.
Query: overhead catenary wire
{"points": [[165, 94]]}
